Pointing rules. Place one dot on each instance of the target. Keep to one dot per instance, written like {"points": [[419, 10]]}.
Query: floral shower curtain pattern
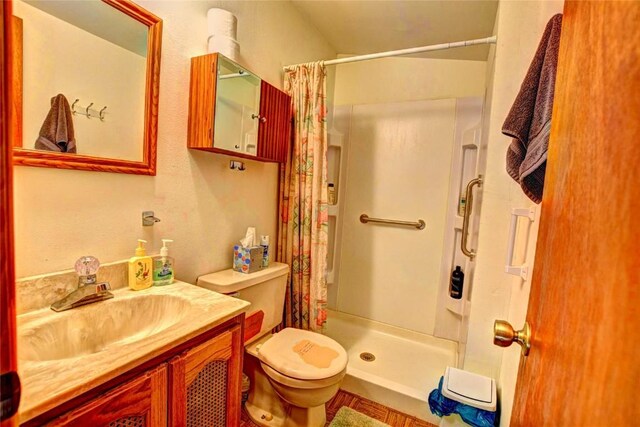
{"points": [[304, 220]]}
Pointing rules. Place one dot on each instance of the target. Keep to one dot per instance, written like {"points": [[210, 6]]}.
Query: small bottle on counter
{"points": [[140, 268], [264, 242], [163, 273]]}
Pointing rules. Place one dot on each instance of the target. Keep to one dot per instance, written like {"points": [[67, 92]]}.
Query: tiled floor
{"points": [[364, 406]]}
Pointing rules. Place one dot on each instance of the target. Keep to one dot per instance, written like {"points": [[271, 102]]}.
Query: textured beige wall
{"points": [[205, 207], [407, 79], [497, 295]]}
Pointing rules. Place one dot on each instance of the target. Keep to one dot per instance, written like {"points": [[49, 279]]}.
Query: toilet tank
{"points": [[264, 289]]}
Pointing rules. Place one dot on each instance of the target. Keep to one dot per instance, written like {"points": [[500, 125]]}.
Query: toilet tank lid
{"points": [[304, 355], [229, 281]]}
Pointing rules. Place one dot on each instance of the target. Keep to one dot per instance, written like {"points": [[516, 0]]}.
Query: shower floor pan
{"points": [[406, 365]]}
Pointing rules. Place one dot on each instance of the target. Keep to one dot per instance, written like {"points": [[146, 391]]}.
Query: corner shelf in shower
{"points": [[457, 222], [459, 307], [334, 170]]}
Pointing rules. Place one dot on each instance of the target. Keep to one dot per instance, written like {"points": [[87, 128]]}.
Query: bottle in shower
{"points": [[331, 194], [456, 284]]}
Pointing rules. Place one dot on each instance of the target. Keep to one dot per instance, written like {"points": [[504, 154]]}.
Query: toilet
{"points": [[293, 373]]}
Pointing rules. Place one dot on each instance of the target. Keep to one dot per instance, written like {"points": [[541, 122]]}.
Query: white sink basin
{"points": [[98, 327]]}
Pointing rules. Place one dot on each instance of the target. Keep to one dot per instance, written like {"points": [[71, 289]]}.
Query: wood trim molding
{"points": [[149, 155], [17, 79], [8, 352]]}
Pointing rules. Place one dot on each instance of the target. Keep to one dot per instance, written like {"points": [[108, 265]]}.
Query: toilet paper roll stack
{"points": [[222, 27]]}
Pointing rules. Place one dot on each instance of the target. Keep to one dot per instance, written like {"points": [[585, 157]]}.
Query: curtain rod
{"points": [[443, 46]]}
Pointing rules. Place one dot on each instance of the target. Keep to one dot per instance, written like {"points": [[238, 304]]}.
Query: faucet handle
{"points": [[87, 267]]}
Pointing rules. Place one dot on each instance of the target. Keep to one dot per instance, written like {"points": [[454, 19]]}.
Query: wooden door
{"points": [[274, 133], [205, 383], [141, 402], [8, 357], [584, 364]]}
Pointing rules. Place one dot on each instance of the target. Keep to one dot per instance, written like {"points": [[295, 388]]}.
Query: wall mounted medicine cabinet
{"points": [[234, 112]]}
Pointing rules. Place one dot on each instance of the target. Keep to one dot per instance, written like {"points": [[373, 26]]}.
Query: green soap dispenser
{"points": [[163, 273], [140, 267]]}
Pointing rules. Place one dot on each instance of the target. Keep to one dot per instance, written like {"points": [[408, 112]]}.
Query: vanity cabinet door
{"points": [[205, 383], [275, 124], [141, 402]]}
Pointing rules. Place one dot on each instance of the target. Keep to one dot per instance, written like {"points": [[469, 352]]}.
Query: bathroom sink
{"points": [[98, 327]]}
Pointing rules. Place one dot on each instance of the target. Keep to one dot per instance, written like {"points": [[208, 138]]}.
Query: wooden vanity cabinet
{"points": [[141, 402], [274, 116], [205, 383], [197, 384]]}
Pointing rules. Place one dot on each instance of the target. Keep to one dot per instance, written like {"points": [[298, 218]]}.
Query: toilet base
{"points": [[267, 409], [293, 417]]}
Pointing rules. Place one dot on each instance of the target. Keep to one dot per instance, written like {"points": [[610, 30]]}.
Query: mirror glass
{"points": [[237, 108], [84, 79]]}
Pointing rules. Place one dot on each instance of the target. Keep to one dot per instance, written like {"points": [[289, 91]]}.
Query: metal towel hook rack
{"points": [[87, 112]]}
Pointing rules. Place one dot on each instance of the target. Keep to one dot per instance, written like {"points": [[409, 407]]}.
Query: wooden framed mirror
{"points": [[86, 84]]}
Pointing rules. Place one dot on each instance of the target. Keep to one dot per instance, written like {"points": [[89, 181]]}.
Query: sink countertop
{"points": [[47, 384]]}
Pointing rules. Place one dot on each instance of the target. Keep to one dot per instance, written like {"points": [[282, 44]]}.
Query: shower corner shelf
{"points": [[458, 222], [330, 277], [335, 138], [458, 307]]}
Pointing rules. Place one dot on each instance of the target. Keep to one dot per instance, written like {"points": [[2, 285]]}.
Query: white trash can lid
{"points": [[469, 388]]}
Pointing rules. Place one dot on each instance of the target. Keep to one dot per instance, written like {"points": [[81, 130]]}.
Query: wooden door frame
{"points": [[8, 353]]}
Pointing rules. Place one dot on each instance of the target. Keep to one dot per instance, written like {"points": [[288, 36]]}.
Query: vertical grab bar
{"points": [[467, 215], [517, 270]]}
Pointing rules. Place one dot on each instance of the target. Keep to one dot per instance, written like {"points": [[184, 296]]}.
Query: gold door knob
{"points": [[504, 335]]}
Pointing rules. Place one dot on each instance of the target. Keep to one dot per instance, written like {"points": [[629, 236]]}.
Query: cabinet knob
{"points": [[262, 119]]}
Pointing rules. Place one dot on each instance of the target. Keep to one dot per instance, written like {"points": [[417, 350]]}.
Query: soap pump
{"points": [[163, 273], [140, 267]]}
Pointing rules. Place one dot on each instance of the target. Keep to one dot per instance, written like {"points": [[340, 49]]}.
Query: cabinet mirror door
{"points": [[237, 108]]}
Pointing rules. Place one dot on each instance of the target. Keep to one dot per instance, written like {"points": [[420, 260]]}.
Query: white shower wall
{"points": [[398, 167]]}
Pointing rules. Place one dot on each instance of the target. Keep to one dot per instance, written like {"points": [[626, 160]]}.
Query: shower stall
{"points": [[407, 163]]}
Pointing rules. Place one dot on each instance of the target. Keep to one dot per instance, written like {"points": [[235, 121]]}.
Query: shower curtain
{"points": [[304, 222]]}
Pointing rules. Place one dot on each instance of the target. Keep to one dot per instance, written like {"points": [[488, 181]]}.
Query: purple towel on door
{"points": [[529, 121]]}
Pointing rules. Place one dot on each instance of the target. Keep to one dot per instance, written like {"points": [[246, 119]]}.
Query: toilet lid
{"points": [[303, 355]]}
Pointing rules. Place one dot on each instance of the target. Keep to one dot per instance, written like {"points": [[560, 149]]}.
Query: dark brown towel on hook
{"points": [[56, 133], [529, 121]]}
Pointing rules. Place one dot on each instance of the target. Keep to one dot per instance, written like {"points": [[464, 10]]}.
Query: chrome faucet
{"points": [[88, 289]]}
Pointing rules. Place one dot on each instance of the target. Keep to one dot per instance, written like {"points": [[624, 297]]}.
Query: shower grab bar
{"points": [[517, 270], [420, 224], [467, 215]]}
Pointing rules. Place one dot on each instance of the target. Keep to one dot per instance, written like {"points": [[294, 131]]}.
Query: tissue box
{"points": [[247, 260]]}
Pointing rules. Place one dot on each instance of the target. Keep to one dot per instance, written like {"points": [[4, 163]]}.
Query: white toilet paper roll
{"points": [[225, 45], [221, 22]]}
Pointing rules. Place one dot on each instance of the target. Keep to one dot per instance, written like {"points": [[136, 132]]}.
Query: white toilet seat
{"points": [[278, 353]]}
